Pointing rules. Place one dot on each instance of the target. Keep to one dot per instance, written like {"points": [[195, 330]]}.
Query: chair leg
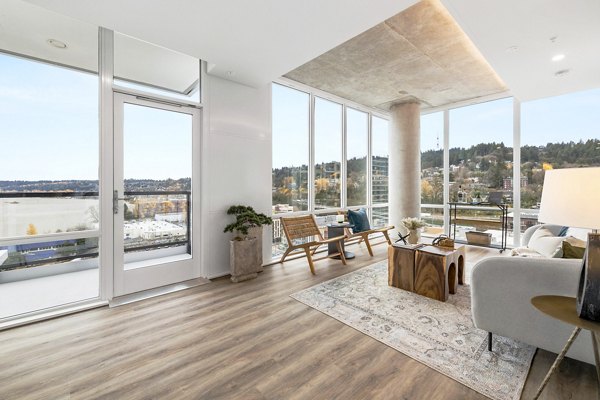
{"points": [[341, 250], [387, 237], [490, 339], [310, 261], [287, 251], [315, 250], [368, 244]]}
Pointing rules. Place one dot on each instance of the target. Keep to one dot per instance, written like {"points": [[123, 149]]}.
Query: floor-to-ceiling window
{"points": [[556, 132], [379, 170], [328, 154], [291, 135], [340, 147], [481, 162], [290, 149], [49, 207], [432, 172], [357, 141]]}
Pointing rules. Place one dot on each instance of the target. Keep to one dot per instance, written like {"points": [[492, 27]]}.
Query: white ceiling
{"points": [[252, 42], [495, 26], [25, 29]]}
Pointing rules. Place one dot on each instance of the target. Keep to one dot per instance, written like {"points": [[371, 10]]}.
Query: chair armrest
{"points": [[331, 240], [502, 288]]}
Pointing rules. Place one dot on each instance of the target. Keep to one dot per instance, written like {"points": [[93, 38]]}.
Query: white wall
{"points": [[237, 164]]}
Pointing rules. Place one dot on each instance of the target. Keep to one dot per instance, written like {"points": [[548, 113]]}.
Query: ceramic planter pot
{"points": [[245, 259]]}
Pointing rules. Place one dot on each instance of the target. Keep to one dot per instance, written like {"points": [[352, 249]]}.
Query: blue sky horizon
{"points": [[49, 121]]}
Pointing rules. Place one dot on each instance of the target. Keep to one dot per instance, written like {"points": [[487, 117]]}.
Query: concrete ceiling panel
{"points": [[420, 53]]}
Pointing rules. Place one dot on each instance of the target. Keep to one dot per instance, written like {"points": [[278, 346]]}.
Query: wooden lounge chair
{"points": [[363, 236], [305, 229]]}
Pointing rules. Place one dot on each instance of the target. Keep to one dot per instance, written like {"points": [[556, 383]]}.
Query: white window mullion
{"points": [[370, 168], [344, 163], [516, 172], [106, 66], [446, 170], [311, 155]]}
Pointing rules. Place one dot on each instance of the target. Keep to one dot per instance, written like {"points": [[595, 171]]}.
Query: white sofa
{"points": [[501, 292]]}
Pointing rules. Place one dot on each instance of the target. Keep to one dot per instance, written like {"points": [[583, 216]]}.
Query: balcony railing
{"points": [[162, 209]]}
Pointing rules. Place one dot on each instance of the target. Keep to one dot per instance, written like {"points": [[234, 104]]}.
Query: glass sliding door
{"points": [[156, 185]]}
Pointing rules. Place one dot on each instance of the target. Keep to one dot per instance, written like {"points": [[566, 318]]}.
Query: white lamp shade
{"points": [[571, 197]]}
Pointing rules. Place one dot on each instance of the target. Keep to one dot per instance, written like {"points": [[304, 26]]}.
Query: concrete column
{"points": [[404, 141]]}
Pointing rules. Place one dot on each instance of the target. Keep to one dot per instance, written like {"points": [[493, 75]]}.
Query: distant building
{"points": [[152, 230], [507, 183], [379, 186], [170, 217], [282, 208]]}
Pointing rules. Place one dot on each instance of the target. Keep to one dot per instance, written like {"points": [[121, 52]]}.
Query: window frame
{"points": [[371, 112]]}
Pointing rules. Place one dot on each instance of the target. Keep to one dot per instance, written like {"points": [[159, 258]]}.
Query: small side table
{"points": [[564, 309], [334, 230], [438, 271]]}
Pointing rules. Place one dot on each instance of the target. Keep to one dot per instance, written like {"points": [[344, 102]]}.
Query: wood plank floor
{"points": [[236, 341]]}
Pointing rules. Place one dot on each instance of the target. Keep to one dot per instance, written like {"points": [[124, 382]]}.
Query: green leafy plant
{"points": [[245, 219]]}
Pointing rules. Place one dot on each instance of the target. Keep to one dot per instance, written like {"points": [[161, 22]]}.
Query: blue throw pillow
{"points": [[359, 219], [563, 231]]}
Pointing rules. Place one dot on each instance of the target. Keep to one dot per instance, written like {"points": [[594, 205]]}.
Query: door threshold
{"points": [[46, 314], [159, 291]]}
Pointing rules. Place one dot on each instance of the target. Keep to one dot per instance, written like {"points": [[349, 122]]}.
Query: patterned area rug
{"points": [[440, 335]]}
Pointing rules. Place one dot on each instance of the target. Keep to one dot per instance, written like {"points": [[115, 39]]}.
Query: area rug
{"points": [[440, 335]]}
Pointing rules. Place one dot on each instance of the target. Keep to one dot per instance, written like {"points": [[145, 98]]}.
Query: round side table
{"points": [[564, 309], [334, 230]]}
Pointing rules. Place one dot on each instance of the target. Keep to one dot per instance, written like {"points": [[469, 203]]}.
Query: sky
{"points": [[49, 128], [573, 116]]}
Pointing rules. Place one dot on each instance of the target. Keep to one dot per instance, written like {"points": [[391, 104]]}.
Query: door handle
{"points": [[116, 199]]}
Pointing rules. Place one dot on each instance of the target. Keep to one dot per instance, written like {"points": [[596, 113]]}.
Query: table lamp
{"points": [[571, 197]]}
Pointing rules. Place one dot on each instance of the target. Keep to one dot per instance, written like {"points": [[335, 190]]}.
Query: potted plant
{"points": [[245, 249], [477, 197], [413, 225]]}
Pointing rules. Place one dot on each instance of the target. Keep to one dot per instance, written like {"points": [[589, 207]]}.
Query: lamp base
{"points": [[588, 296]]}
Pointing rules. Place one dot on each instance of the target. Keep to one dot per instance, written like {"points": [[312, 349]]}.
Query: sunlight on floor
{"points": [[51, 291]]}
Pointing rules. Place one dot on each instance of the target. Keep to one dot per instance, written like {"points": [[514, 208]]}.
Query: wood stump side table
{"points": [[430, 271], [564, 309], [438, 271], [401, 266]]}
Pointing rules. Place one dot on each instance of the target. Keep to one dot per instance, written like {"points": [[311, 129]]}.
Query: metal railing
{"points": [[63, 239]]}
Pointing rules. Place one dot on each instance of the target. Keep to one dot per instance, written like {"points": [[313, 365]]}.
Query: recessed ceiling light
{"points": [[512, 49], [558, 57], [56, 43], [562, 72]]}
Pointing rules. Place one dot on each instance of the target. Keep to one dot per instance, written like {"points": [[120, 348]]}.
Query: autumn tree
{"points": [[322, 184], [31, 230]]}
